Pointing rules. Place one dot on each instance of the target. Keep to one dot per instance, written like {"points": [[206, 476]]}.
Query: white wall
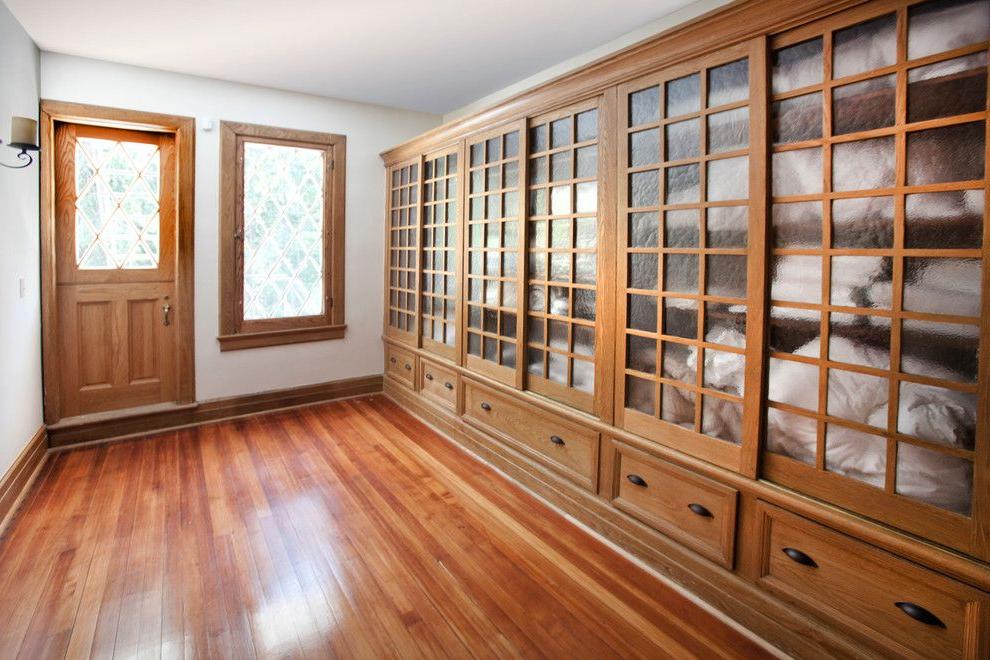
{"points": [[20, 318], [369, 130], [639, 34]]}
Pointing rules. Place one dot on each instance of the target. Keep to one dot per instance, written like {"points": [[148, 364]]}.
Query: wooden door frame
{"points": [[184, 130]]}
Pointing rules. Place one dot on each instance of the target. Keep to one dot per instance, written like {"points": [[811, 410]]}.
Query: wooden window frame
{"points": [[235, 332]]}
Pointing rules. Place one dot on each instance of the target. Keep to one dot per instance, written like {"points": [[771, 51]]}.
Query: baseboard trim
{"points": [[791, 633], [16, 482], [63, 436]]}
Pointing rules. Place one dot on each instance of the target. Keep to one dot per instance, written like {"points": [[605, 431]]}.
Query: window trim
{"points": [[236, 333]]}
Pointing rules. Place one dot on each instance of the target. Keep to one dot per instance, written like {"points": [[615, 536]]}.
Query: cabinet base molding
{"points": [[69, 433], [16, 482], [791, 631]]}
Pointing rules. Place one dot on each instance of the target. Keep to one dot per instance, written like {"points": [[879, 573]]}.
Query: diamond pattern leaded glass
{"points": [[283, 231], [117, 204]]}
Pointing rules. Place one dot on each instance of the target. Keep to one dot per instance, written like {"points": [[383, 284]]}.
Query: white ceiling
{"points": [[429, 55]]}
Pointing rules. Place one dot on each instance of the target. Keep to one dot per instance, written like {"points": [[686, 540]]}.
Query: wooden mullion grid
{"points": [[450, 227]]}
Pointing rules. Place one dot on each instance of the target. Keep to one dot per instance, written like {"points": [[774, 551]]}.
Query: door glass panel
{"points": [[564, 355], [403, 247], [117, 224], [439, 296], [686, 254], [893, 231], [493, 241]]}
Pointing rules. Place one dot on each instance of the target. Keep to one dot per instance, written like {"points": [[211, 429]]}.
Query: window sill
{"points": [[279, 337]]}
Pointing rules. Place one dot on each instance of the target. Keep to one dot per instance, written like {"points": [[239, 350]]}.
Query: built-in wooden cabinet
{"points": [[729, 288]]}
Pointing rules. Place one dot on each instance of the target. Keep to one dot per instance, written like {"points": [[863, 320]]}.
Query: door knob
{"points": [[166, 308]]}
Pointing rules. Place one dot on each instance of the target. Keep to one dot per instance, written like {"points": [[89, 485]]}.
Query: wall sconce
{"points": [[23, 136]]}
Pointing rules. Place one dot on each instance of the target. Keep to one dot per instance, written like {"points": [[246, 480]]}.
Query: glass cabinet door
{"points": [[562, 253], [878, 246], [494, 246], [691, 193], [403, 248], [438, 301]]}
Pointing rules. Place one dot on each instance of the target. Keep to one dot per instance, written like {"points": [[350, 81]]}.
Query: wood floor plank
{"points": [[347, 529]]}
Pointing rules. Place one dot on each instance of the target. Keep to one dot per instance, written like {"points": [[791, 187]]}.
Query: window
{"points": [[282, 236]]}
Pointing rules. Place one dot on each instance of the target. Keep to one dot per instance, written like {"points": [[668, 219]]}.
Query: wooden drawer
{"points": [[400, 364], [561, 444], [917, 612], [438, 384], [691, 509]]}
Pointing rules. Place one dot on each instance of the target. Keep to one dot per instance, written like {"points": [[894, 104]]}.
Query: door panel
{"points": [[115, 267]]}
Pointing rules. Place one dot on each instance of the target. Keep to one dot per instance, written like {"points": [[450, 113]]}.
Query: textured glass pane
{"points": [[944, 89], [117, 191], [511, 145], [864, 47], [797, 66], [680, 273], [642, 313], [791, 330], [586, 233], [934, 478], [283, 231], [537, 202], [864, 106], [587, 162], [722, 419], [683, 95], [942, 286], [791, 435], [937, 414], [797, 119], [797, 172], [861, 281], [952, 219], [644, 189], [797, 225], [584, 340], [643, 271], [677, 406], [863, 164], [857, 455], [683, 139], [725, 324], [640, 394], [679, 362], [641, 354], [583, 376], [727, 226], [644, 147], [949, 351], [681, 228], [534, 361], [494, 150], [796, 278], [793, 383], [644, 229], [539, 139], [586, 197], [728, 179], [858, 397], [728, 131], [682, 184], [680, 318], [728, 83], [587, 125], [859, 339], [950, 153], [560, 200], [727, 275], [863, 223], [560, 132], [724, 371], [644, 106], [935, 27], [584, 304], [560, 166]]}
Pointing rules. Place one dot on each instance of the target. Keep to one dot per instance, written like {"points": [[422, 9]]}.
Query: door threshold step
{"points": [[122, 414]]}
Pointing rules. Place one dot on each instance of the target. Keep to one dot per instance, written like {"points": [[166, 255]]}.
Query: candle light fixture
{"points": [[23, 136]]}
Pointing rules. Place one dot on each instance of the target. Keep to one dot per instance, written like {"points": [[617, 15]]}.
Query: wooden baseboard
{"points": [[791, 632], [68, 433], [18, 479]]}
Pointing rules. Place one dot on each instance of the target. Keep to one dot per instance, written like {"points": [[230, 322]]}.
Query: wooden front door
{"points": [[115, 254]]}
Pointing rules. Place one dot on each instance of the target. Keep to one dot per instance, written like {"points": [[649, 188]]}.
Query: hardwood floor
{"points": [[347, 529]]}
